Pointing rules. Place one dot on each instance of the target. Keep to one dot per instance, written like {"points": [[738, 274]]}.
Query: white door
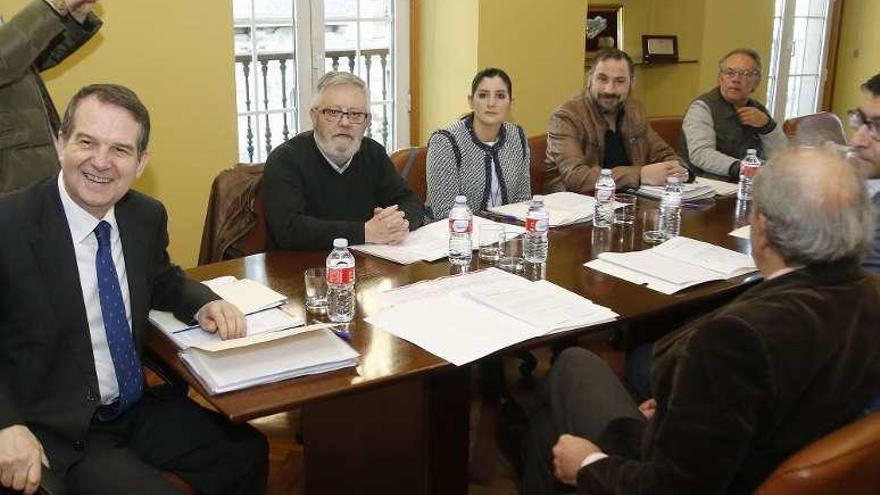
{"points": [[282, 47]]}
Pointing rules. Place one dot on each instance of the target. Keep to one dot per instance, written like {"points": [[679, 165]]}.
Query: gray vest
{"points": [[731, 137]]}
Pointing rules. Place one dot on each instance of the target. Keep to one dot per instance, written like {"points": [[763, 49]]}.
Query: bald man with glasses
{"points": [[722, 124], [334, 182]]}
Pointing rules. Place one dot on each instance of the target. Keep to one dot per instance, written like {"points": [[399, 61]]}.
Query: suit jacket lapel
{"points": [[53, 249], [134, 250]]}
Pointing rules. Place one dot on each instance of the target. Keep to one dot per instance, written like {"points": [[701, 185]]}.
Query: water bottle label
{"points": [[340, 275], [748, 170], [671, 201], [460, 225], [604, 194], [537, 224]]}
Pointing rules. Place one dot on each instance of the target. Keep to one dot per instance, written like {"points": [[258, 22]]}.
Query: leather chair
{"points": [[815, 129], [411, 164], [846, 461], [537, 162], [669, 128], [235, 223]]}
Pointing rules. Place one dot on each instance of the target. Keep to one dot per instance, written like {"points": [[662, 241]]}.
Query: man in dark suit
{"points": [[83, 261], [741, 389]]}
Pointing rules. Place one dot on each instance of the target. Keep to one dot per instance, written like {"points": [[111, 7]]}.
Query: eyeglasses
{"points": [[333, 115], [857, 119], [748, 74]]}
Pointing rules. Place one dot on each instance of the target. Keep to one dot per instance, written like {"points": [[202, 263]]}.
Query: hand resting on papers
{"points": [[224, 318]]}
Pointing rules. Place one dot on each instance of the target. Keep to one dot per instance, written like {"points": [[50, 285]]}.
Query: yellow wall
{"points": [[857, 58], [447, 61], [728, 25], [178, 57], [542, 49]]}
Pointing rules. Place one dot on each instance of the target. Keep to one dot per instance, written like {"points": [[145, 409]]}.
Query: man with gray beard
{"points": [[333, 182]]}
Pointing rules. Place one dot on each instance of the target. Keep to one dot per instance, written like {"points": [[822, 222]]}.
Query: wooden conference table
{"points": [[398, 423]]}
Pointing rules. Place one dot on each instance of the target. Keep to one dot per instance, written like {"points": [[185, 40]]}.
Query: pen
{"points": [[343, 332], [500, 217]]}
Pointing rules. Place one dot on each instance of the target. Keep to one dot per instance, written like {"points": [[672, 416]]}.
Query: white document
{"points": [[676, 264], [490, 278], [427, 243], [720, 187], [689, 192], [544, 305], [249, 296], [564, 208], [258, 324], [453, 327], [465, 317], [743, 232], [303, 354]]}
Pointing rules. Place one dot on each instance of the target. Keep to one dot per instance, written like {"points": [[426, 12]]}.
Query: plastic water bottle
{"points": [[670, 208], [747, 169], [604, 213], [461, 223], [340, 282], [537, 223]]}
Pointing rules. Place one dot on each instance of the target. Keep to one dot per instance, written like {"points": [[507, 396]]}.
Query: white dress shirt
{"points": [[85, 245]]}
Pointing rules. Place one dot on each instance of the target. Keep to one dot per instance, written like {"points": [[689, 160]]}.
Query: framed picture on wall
{"points": [[604, 26], [659, 48]]}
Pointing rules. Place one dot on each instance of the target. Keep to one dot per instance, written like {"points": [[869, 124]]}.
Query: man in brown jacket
{"points": [[603, 128], [40, 36]]}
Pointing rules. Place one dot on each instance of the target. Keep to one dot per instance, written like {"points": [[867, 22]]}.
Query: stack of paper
{"points": [[258, 302], [701, 188], [428, 243], [564, 208], [466, 317], [676, 264], [297, 355]]}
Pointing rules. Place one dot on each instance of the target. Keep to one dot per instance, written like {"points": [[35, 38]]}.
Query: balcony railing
{"points": [[276, 67]]}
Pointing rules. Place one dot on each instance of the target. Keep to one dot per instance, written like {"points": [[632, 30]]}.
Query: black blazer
{"points": [[47, 371], [743, 388]]}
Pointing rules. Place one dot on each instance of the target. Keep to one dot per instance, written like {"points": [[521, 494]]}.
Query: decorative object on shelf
{"points": [[659, 48], [604, 27]]}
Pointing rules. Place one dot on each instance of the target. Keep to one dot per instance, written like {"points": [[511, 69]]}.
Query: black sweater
{"points": [[308, 203]]}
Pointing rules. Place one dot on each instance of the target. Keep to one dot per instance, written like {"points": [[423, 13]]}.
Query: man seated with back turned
{"points": [[604, 128], [83, 261], [333, 182], [740, 389], [721, 125], [865, 141]]}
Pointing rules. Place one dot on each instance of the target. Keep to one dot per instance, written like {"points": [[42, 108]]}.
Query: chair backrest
{"points": [[669, 128], [815, 129], [235, 223], [411, 165], [844, 461], [537, 158]]}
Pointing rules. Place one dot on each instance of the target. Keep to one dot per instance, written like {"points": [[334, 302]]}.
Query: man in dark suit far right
{"points": [[82, 262], [740, 390]]}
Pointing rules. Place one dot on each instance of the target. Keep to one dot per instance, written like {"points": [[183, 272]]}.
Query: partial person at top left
{"points": [[40, 36]]}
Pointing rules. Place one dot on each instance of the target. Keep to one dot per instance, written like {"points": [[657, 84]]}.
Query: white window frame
{"points": [[780, 79]]}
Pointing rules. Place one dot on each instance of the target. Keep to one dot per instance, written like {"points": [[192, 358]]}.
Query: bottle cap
{"points": [[751, 151], [340, 242], [538, 197], [461, 198], [672, 179], [606, 171]]}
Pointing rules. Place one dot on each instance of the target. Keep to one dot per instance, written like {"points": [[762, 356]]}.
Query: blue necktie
{"points": [[126, 363]]}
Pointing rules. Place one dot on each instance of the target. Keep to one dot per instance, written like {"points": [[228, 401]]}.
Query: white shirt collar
{"points": [[339, 168], [81, 222]]}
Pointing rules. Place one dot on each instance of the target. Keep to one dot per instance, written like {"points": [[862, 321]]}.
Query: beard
{"points": [[609, 104], [338, 152]]}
